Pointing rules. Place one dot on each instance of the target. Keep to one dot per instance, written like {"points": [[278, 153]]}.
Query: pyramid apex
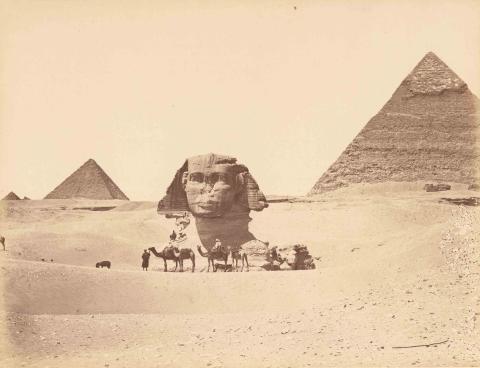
{"points": [[431, 54], [431, 76]]}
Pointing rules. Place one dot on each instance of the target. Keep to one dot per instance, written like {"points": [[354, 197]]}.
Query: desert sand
{"points": [[398, 267]]}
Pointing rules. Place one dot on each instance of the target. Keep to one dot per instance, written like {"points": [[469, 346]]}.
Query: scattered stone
{"points": [[472, 201], [436, 187]]}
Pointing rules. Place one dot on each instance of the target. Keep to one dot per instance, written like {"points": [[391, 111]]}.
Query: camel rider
{"points": [[172, 242], [217, 246]]}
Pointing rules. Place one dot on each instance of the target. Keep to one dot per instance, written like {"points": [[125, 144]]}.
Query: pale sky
{"points": [[141, 85]]}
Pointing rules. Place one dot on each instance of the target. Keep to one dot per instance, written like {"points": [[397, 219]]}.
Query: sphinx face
{"points": [[210, 191]]}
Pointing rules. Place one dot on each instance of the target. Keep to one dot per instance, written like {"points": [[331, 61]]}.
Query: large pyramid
{"points": [[89, 181], [427, 131]]}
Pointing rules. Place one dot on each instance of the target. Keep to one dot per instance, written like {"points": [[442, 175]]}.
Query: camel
{"points": [[301, 263], [271, 257], [2, 240], [175, 254], [242, 255], [219, 253], [102, 264], [302, 260]]}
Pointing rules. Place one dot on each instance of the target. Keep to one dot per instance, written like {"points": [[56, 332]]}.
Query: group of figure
{"points": [[178, 255], [181, 223], [172, 251], [221, 252]]}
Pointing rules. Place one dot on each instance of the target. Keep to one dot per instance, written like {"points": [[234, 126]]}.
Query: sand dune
{"points": [[397, 268]]}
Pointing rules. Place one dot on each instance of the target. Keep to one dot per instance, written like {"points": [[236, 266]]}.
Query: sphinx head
{"points": [[211, 186]]}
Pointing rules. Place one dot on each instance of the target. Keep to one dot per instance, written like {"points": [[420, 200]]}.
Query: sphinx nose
{"points": [[210, 189], [207, 187]]}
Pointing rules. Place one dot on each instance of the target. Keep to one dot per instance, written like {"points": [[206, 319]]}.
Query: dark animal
{"points": [[175, 254], [215, 254], [242, 255], [271, 266], [2, 240], [103, 264], [221, 266]]}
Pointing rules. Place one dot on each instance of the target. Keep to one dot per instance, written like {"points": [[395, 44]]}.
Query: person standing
{"points": [[2, 240], [145, 260]]}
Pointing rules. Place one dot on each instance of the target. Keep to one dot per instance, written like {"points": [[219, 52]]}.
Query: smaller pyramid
{"points": [[89, 182], [11, 197]]}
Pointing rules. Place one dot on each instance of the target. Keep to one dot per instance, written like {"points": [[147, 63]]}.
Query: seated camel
{"points": [[274, 260], [300, 259], [217, 253], [242, 255], [175, 254]]}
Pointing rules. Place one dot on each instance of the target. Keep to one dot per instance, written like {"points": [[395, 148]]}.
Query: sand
{"points": [[397, 268]]}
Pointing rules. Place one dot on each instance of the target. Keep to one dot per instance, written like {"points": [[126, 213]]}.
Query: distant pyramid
{"points": [[89, 181], [427, 131], [11, 197]]}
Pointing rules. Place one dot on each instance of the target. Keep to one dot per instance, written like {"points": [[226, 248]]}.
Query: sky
{"points": [[139, 86]]}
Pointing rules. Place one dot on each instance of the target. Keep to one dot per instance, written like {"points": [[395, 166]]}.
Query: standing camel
{"points": [[216, 253], [175, 254], [2, 240], [242, 255]]}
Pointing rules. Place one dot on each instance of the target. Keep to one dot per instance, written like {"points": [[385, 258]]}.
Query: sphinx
{"points": [[219, 193]]}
